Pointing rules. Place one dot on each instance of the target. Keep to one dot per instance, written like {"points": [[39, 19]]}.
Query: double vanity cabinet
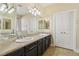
{"points": [[36, 48]]}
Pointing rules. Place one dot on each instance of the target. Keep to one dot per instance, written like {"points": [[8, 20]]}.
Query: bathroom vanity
{"points": [[35, 47]]}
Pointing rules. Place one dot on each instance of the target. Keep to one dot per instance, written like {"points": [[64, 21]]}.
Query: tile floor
{"points": [[57, 51]]}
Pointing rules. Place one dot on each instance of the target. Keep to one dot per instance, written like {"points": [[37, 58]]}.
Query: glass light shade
{"points": [[2, 7], [34, 11], [6, 10], [30, 11], [11, 10]]}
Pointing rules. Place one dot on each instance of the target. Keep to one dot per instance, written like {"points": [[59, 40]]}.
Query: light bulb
{"points": [[34, 9], [2, 7], [39, 12], [30, 11], [11, 10]]}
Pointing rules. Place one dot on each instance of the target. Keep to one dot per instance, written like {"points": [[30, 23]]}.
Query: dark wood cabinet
{"points": [[19, 52], [44, 44], [47, 43], [40, 47], [36, 48], [31, 49], [49, 40]]}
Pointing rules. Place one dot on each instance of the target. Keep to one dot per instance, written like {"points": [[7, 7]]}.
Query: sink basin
{"points": [[24, 39], [42, 34]]}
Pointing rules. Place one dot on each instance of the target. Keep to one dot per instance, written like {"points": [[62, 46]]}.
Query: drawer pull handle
{"points": [[32, 47]]}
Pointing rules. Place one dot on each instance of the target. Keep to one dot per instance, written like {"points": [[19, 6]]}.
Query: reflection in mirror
{"points": [[46, 23], [40, 23], [43, 24], [6, 23]]}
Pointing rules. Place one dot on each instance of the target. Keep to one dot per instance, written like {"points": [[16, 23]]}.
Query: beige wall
{"points": [[58, 7]]}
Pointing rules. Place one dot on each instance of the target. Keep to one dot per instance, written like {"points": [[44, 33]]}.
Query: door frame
{"points": [[74, 27]]}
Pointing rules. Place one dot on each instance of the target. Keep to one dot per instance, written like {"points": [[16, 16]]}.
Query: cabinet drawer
{"points": [[30, 47], [40, 47], [40, 41], [32, 51]]}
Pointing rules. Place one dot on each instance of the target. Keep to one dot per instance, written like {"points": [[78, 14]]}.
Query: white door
{"points": [[64, 29]]}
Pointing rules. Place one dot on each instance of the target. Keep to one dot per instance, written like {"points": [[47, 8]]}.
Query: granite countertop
{"points": [[16, 45]]}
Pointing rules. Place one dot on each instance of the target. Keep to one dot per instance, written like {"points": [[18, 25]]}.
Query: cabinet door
{"points": [[47, 43], [32, 51], [19, 52], [40, 47], [28, 49], [44, 44], [49, 40]]}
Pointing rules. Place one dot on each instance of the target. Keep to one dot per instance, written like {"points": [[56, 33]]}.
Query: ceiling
{"points": [[27, 5], [22, 8], [46, 9]]}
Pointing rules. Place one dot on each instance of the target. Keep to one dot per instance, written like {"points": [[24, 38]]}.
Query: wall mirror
{"points": [[7, 17], [43, 23], [6, 23]]}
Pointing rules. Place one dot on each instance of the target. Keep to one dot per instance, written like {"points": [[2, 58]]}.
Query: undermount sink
{"points": [[24, 39], [42, 34]]}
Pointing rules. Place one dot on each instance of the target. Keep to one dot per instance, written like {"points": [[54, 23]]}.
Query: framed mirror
{"points": [[40, 24], [46, 24], [6, 23], [43, 24]]}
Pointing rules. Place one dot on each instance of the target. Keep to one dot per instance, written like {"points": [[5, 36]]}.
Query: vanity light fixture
{"points": [[3, 6], [6, 8], [34, 11], [11, 10]]}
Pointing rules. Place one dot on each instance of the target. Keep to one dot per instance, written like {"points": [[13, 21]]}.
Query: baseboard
{"points": [[76, 50]]}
